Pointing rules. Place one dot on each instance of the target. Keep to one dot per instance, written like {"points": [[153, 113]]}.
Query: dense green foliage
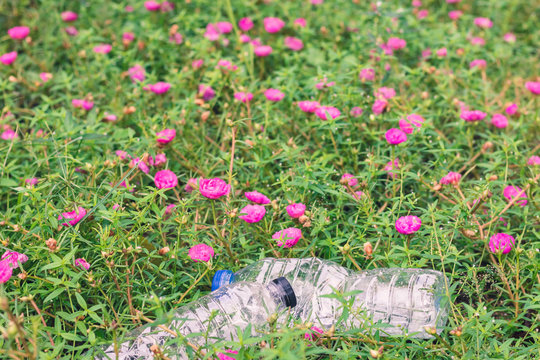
{"points": [[138, 255]]}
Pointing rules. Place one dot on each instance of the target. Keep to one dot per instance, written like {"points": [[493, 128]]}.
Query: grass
{"points": [[138, 255]]}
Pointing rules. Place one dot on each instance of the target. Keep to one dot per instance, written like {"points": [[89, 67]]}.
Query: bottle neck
{"points": [[281, 291]]}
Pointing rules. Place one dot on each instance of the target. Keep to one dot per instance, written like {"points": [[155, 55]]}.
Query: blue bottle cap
{"points": [[221, 278]]}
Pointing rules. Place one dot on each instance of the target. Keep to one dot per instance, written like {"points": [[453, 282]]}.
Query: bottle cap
{"points": [[221, 278], [285, 291]]}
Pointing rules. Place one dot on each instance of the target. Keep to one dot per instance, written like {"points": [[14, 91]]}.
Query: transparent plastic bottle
{"points": [[214, 317], [406, 300]]}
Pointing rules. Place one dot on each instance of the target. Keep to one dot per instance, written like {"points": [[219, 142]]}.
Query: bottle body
{"points": [[212, 318], [405, 300]]}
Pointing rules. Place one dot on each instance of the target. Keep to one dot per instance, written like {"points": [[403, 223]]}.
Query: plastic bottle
{"points": [[214, 317], [407, 300]]}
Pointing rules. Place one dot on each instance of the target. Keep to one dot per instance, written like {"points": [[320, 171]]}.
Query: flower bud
{"points": [[368, 249]]}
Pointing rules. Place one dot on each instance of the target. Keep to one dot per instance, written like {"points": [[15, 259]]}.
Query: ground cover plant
{"points": [[145, 145]]}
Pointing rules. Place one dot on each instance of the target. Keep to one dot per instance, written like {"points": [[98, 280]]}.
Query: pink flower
{"points": [[455, 14], [502, 243], [224, 27], [167, 6], [5, 272], [356, 111], [82, 263], [478, 41], [396, 43], [245, 24], [212, 32], [243, 96], [479, 63], [222, 356], [324, 111], [140, 164], [103, 48], [252, 213], [137, 73], [426, 53], [422, 14], [262, 50], [166, 136], [169, 209], [19, 32], [287, 237], [14, 259], [45, 76], [367, 74], [201, 252], [69, 16], [257, 197], [408, 224], [308, 106], [453, 1], [273, 24], [152, 5], [533, 87], [534, 160], [196, 64], [244, 38], [213, 188], [122, 154], [473, 115], [74, 216], [510, 192], [160, 159], [109, 117], [32, 181], [226, 65], [176, 38], [8, 58], [499, 120], [395, 136], [384, 92], [315, 331], [512, 109], [442, 52], [483, 22], [165, 179], [407, 125], [158, 88], [379, 106], [300, 22], [206, 92], [83, 104], [451, 178], [274, 95], [296, 210], [9, 134], [509, 37], [416, 3], [349, 179], [71, 31], [116, 206], [358, 195], [191, 185], [293, 43]]}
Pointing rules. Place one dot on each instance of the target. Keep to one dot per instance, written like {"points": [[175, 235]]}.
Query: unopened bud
{"points": [[487, 145], [368, 249], [229, 122], [493, 178], [437, 187], [302, 219], [205, 115], [275, 205], [164, 250], [51, 244], [345, 249], [4, 303], [430, 330]]}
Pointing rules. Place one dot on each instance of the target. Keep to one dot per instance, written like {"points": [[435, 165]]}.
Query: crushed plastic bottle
{"points": [[406, 300], [215, 317]]}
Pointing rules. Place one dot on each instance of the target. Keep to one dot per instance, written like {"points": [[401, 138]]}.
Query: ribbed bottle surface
{"points": [[214, 317]]}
